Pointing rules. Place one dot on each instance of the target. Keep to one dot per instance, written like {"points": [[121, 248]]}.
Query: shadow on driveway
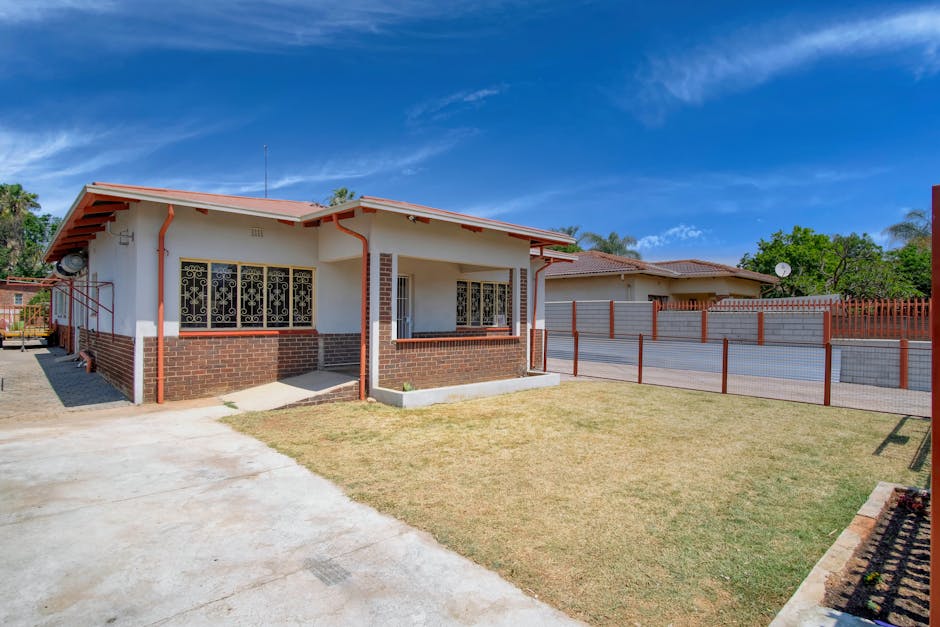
{"points": [[72, 384]]}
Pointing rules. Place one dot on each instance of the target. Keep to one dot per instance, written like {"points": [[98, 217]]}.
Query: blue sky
{"points": [[697, 129]]}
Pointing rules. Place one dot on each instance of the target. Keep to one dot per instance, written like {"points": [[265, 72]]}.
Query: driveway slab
{"points": [[173, 518]]}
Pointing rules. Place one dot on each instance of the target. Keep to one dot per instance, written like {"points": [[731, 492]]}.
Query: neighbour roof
{"points": [[595, 263], [97, 204]]}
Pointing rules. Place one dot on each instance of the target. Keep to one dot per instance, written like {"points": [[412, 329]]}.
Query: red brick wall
{"points": [[7, 290], [114, 358], [342, 394], [340, 348], [206, 366], [440, 363], [536, 349]]}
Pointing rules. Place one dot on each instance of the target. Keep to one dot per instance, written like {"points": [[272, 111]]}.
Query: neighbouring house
{"points": [[15, 294], [600, 276], [182, 294]]}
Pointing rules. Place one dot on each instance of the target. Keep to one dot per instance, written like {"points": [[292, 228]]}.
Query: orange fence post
{"points": [[639, 359], [827, 326], [760, 328], [575, 369], [574, 317], [903, 365], [611, 319], [724, 366], [704, 326], [655, 316], [827, 383]]}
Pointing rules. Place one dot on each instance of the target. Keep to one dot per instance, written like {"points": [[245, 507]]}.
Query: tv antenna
{"points": [[265, 170]]}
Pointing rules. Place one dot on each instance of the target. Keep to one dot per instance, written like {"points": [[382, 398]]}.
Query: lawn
{"points": [[614, 502]]}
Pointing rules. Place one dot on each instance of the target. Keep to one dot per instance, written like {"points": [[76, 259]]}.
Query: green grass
{"points": [[614, 502]]}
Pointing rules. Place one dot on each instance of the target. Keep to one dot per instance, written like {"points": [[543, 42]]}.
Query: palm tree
{"points": [[341, 195], [571, 231], [15, 205], [915, 228], [614, 244]]}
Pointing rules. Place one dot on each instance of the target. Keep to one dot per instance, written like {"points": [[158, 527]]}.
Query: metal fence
{"points": [[885, 376]]}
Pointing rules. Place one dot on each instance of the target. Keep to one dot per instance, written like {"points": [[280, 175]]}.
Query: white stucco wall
{"points": [[118, 264], [217, 236]]}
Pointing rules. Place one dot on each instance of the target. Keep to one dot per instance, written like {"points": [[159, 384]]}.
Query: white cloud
{"points": [[403, 161], [741, 62], [440, 108], [237, 24], [680, 232]]}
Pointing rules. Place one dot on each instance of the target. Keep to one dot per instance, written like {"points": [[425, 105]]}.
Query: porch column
{"points": [[374, 322]]}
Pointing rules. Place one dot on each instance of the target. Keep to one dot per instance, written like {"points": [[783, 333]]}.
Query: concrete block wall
{"points": [[737, 326], [558, 316], [878, 362], [633, 318], [594, 317], [795, 328], [679, 324]]}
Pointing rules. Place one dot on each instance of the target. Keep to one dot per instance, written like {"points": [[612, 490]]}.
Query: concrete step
{"points": [[305, 389]]}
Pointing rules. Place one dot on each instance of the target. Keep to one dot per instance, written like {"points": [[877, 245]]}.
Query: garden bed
{"points": [[888, 577]]}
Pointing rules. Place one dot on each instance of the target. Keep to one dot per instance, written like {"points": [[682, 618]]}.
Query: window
{"points": [[483, 304], [230, 295], [657, 298], [18, 298]]}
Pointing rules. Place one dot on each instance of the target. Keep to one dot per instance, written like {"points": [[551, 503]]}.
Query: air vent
{"points": [[256, 231]]}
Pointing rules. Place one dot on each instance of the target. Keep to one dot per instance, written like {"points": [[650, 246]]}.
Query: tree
{"points": [[572, 231], [341, 195], [913, 263], [914, 229], [24, 235], [15, 204], [852, 265], [613, 244]]}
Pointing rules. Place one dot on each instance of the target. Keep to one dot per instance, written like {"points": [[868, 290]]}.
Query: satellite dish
{"points": [[70, 265], [782, 269]]}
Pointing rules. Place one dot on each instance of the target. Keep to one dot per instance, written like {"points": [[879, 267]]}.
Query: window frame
{"points": [[238, 295], [18, 296], [483, 325]]}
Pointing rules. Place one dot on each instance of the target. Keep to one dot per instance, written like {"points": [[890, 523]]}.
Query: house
{"points": [[182, 294], [601, 276], [14, 294]]}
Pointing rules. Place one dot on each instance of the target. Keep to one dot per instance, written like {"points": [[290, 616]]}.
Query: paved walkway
{"points": [[39, 382], [136, 516]]}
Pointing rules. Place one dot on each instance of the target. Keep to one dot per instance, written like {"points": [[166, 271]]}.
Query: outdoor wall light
{"points": [[125, 237], [412, 219]]}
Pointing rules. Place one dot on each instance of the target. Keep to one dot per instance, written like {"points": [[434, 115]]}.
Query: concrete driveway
{"points": [[130, 516]]}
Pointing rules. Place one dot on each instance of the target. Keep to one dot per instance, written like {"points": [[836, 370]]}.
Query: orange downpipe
{"points": [[535, 306], [161, 253], [363, 324]]}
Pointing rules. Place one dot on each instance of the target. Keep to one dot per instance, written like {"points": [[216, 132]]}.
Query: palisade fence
{"points": [[865, 355]]}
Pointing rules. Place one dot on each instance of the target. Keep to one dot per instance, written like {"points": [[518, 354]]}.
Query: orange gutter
{"points": [[363, 324], [161, 270], [535, 305]]}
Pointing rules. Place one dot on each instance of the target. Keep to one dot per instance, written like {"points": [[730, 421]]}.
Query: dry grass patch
{"points": [[614, 502]]}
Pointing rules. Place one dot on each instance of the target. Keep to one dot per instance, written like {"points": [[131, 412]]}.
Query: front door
{"points": [[403, 307]]}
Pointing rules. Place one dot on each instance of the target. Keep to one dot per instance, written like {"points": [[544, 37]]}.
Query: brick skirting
{"points": [[339, 349], [206, 366], [113, 358]]}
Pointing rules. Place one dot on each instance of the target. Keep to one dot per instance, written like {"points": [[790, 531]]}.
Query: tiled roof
{"points": [[698, 268], [274, 206], [592, 262]]}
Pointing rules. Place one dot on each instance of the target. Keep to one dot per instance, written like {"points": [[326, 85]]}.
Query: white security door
{"points": [[403, 307]]}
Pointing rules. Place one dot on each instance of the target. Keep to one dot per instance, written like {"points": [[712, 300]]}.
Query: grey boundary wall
{"points": [[636, 317], [867, 362]]}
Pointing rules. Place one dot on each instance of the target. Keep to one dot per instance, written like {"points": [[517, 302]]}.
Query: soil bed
{"points": [[888, 578]]}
